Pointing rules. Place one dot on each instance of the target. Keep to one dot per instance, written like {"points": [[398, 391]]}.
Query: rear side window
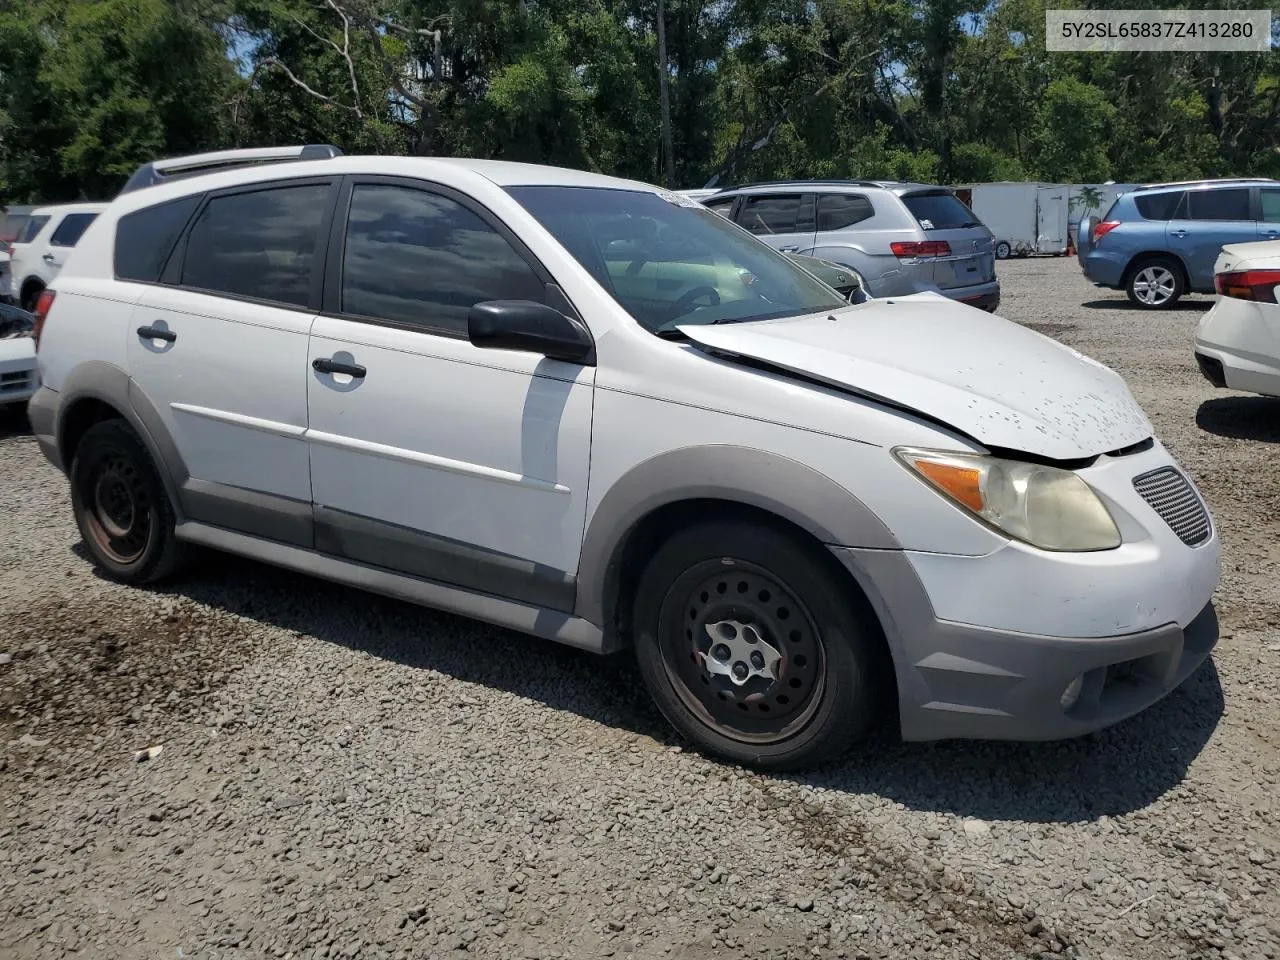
{"points": [[417, 258], [839, 210], [1212, 204], [32, 229], [1157, 206], [72, 227], [260, 244], [770, 214], [145, 237], [939, 210]]}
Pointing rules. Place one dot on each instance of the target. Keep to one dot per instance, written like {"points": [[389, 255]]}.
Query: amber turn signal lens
{"points": [[964, 484]]}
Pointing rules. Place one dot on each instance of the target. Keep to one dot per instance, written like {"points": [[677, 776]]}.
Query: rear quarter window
{"points": [[71, 229], [145, 238], [1157, 206], [939, 210]]}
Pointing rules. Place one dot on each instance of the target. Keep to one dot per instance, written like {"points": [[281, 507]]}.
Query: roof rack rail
{"points": [[1188, 183], [806, 183], [173, 168]]}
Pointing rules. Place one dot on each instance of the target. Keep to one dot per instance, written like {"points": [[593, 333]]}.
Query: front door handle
{"points": [[157, 333], [1179, 234], [788, 249], [325, 365]]}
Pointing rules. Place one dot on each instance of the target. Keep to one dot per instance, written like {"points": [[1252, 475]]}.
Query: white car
{"points": [[19, 374], [1237, 342], [42, 248], [595, 411]]}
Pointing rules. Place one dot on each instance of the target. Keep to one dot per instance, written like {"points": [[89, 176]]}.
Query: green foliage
{"points": [[933, 90]]}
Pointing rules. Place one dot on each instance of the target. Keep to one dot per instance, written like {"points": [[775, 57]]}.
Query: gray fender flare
{"points": [[756, 478]]}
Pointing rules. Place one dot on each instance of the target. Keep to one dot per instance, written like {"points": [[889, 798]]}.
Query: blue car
{"points": [[1160, 241]]}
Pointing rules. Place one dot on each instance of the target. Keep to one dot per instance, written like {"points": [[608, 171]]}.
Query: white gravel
{"points": [[345, 776]]}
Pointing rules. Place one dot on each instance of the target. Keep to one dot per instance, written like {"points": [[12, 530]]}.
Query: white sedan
{"points": [[18, 375], [1238, 341]]}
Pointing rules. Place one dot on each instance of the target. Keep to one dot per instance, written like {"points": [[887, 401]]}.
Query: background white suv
{"points": [[595, 411], [42, 248]]}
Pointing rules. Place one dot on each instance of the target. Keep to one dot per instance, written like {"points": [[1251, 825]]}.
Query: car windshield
{"points": [[672, 261]]}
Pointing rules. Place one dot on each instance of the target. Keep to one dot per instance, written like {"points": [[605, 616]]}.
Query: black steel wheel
{"points": [[120, 505], [753, 648]]}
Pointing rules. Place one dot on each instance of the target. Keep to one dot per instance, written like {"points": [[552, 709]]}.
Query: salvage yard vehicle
{"points": [[49, 236], [18, 367], [594, 411], [902, 238], [1237, 342], [1160, 242]]}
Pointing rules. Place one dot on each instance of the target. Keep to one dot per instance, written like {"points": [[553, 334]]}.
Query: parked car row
{"points": [[1162, 241], [596, 411]]}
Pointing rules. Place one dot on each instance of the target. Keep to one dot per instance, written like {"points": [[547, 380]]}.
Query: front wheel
{"points": [[752, 646], [121, 507], [1155, 284]]}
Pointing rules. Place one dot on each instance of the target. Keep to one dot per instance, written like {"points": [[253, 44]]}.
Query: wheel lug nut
{"points": [[757, 659], [720, 652], [740, 670]]}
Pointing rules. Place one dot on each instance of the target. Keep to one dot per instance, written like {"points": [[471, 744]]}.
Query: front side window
{"points": [[418, 258], [667, 262], [769, 215], [260, 244], [1213, 204], [1270, 206], [71, 229], [723, 206]]}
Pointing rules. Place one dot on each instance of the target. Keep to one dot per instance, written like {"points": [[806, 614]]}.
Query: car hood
{"points": [[997, 382]]}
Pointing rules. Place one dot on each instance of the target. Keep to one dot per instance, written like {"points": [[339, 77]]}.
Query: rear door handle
{"points": [[325, 365], [156, 333], [788, 249], [48, 258], [1179, 234]]}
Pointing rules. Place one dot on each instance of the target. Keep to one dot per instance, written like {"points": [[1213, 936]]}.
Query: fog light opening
{"points": [[1072, 694]]}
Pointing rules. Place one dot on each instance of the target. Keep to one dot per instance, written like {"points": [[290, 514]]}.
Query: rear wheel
{"points": [[752, 647], [121, 507], [1002, 250], [1155, 284]]}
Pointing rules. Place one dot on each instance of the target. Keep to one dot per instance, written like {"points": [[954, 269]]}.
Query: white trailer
{"points": [[1025, 218]]}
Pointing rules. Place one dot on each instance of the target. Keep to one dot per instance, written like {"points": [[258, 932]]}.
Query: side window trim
{"points": [[171, 275], [331, 300]]}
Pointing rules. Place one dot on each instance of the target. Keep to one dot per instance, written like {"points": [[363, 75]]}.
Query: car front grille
{"points": [[1172, 497], [16, 381]]}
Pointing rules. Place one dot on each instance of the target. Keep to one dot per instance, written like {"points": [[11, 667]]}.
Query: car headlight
{"points": [[1046, 507]]}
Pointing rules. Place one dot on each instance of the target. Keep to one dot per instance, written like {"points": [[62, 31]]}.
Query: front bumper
{"points": [[19, 375], [960, 681]]}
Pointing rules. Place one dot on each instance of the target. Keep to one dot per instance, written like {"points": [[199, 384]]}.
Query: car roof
{"points": [[898, 187], [1202, 184]]}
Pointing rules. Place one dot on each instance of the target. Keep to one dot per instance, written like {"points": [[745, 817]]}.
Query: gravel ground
{"points": [[344, 776]]}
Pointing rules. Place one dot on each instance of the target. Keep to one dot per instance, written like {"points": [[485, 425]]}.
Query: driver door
{"points": [[785, 221]]}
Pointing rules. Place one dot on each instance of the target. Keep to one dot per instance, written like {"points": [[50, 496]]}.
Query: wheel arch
{"points": [[674, 489], [30, 287], [1138, 259]]}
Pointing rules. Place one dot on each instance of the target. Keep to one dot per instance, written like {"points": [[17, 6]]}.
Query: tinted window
{"points": [[71, 228], [667, 262], [1271, 206], [766, 215], [722, 206], [1218, 204], [418, 258], [32, 229], [145, 237], [12, 226], [1157, 206], [939, 211], [839, 210], [260, 244]]}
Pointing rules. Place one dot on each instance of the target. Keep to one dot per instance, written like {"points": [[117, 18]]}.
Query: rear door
{"points": [[218, 348], [942, 216], [1207, 219], [785, 221]]}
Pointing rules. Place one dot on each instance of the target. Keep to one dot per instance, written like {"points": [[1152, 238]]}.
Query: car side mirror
{"points": [[532, 327]]}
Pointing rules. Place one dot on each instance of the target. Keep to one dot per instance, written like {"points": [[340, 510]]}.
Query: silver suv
{"points": [[901, 237]]}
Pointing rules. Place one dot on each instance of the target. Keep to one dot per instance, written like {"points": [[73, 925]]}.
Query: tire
{"points": [[121, 506], [1002, 250], [30, 294], [814, 701], [1155, 283]]}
